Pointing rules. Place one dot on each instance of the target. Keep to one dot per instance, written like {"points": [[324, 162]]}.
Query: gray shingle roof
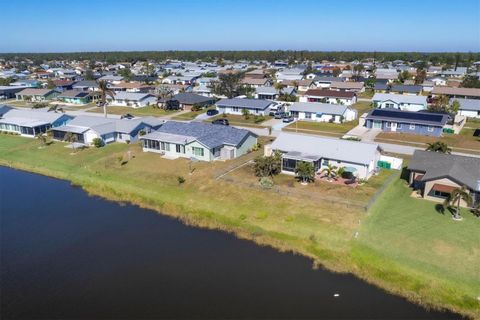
{"points": [[406, 88], [210, 135], [191, 98], [244, 103], [461, 169]]}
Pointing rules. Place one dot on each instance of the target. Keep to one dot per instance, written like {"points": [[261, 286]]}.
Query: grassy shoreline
{"points": [[304, 227]]}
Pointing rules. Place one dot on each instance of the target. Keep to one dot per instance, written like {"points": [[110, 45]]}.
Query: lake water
{"points": [[67, 255]]}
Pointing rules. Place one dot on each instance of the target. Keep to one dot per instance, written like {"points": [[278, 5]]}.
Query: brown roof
{"points": [[254, 76], [346, 85], [473, 92], [254, 81], [330, 93], [304, 82], [60, 83], [130, 85]]}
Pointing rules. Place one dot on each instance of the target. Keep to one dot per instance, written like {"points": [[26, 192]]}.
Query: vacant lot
{"points": [[404, 245]]}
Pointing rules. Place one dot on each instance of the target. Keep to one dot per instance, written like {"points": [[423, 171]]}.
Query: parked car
{"points": [[279, 115], [221, 121], [127, 116], [288, 119], [212, 112]]}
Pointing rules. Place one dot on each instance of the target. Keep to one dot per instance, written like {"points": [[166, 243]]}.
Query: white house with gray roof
{"points": [[468, 107], [399, 101], [322, 112], [201, 141], [30, 122], [87, 128], [131, 99], [237, 105], [359, 158]]}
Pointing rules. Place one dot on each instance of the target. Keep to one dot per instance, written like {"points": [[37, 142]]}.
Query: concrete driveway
{"points": [[363, 133]]}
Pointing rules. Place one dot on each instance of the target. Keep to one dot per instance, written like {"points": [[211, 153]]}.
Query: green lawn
{"points": [[403, 244], [362, 107], [191, 115], [141, 112], [241, 120], [407, 236], [334, 129]]}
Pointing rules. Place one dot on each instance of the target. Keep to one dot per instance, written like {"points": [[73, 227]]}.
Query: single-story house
{"points": [[111, 78], [85, 85], [360, 158], [30, 122], [347, 86], [263, 82], [300, 85], [406, 89], [399, 101], [36, 94], [201, 141], [203, 90], [185, 80], [422, 123], [290, 74], [131, 87], [329, 96], [437, 174], [322, 112], [326, 81], [452, 92], [270, 93], [75, 96], [132, 99], [236, 105], [468, 107], [87, 128], [9, 92], [381, 87], [186, 100], [62, 85]]}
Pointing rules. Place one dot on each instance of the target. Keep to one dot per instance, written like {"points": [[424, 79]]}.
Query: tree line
{"points": [[450, 58]]}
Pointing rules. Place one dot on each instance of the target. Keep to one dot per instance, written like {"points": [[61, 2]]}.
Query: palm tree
{"points": [[43, 139], [331, 172], [439, 146], [104, 92], [164, 93], [305, 171], [71, 138], [454, 199], [55, 109]]}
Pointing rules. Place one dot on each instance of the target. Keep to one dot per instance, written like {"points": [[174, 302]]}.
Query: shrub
{"points": [[266, 183], [97, 142], [243, 216], [196, 107], [258, 119], [180, 180], [142, 132]]}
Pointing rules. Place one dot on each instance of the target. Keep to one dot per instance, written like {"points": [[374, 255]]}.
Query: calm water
{"points": [[67, 255]]}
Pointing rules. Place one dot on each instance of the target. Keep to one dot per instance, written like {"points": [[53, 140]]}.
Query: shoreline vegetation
{"points": [[401, 245]]}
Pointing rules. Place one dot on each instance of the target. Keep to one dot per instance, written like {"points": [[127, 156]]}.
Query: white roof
{"points": [[400, 98], [29, 117], [317, 107], [329, 148]]}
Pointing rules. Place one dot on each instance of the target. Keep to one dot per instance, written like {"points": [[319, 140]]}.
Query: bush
{"points": [[266, 183], [258, 119], [97, 142], [180, 180], [196, 107], [142, 132]]}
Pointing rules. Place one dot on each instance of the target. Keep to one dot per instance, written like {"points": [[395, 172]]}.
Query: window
{"points": [[308, 115], [289, 165], [440, 194], [412, 127], [197, 151], [399, 126], [179, 148], [430, 129], [388, 124], [235, 109], [325, 162], [389, 105]]}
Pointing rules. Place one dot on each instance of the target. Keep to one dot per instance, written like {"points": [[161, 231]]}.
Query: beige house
{"points": [[436, 175]]}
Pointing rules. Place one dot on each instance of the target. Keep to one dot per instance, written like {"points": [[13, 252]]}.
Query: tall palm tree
{"points": [[439, 146], [454, 199], [71, 138], [164, 93], [104, 92], [330, 171]]}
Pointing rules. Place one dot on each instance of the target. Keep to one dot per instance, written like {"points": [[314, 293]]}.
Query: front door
{"points": [[394, 126]]}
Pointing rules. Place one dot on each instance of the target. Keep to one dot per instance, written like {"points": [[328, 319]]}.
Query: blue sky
{"points": [[359, 25]]}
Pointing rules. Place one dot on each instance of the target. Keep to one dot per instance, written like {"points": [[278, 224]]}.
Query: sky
{"points": [[348, 25]]}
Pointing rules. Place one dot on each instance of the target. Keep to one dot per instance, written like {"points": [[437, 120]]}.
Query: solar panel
{"points": [[421, 116]]}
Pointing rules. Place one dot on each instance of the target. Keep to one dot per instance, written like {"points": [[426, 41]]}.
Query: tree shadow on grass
{"points": [[440, 208], [405, 174]]}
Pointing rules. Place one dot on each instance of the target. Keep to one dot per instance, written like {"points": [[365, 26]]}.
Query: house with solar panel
{"points": [[436, 175], [237, 105], [421, 123], [198, 140], [399, 101]]}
